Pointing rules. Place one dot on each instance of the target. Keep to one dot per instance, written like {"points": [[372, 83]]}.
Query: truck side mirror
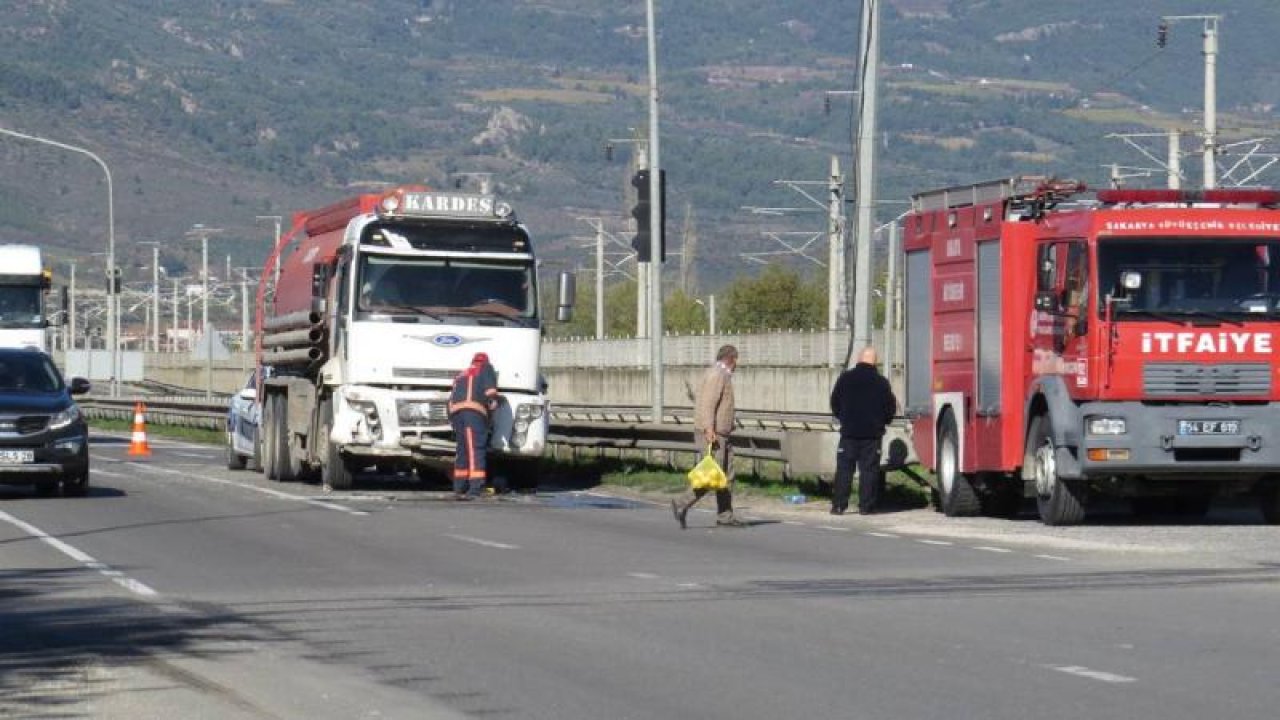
{"points": [[319, 276], [1045, 267], [567, 295]]}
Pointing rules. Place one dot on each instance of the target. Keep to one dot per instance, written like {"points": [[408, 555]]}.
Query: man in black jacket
{"points": [[863, 403]]}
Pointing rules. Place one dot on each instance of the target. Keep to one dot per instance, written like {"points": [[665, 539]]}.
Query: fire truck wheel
{"points": [[955, 490], [336, 473], [1057, 501]]}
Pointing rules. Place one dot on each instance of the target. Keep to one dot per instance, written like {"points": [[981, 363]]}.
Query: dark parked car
{"points": [[44, 439]]}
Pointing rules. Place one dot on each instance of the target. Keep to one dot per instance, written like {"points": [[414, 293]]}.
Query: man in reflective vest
{"points": [[472, 401]]}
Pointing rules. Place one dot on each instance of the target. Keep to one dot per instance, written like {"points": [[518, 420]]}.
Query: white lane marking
{"points": [[988, 548], [833, 527], [81, 557], [1053, 557], [200, 456], [108, 473], [264, 491], [1084, 672], [642, 576], [480, 541], [881, 534], [792, 522], [689, 585], [935, 542]]}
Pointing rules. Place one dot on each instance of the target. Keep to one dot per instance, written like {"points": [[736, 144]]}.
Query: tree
{"points": [[776, 299], [682, 314]]}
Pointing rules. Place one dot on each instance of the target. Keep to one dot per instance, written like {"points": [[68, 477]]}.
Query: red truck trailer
{"points": [[1067, 345]]}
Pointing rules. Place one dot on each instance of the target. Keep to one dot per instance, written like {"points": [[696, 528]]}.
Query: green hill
{"points": [[220, 112]]}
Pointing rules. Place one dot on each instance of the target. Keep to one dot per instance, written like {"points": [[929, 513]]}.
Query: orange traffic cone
{"points": [[138, 445]]}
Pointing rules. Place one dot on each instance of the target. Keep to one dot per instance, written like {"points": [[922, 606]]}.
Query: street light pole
{"points": [[113, 317], [71, 309]]}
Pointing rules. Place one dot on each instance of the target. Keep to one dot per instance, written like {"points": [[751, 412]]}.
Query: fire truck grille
{"points": [[422, 413], [1183, 379]]}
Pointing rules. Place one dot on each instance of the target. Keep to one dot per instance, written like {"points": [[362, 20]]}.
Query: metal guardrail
{"points": [[616, 429]]}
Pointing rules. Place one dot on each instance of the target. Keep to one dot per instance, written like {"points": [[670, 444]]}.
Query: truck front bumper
{"points": [[1172, 442]]}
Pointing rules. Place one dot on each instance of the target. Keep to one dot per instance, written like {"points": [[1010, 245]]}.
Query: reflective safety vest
{"points": [[475, 388]]}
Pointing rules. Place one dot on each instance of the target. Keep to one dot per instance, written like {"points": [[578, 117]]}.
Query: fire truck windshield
{"points": [[454, 290], [20, 307], [1224, 278]]}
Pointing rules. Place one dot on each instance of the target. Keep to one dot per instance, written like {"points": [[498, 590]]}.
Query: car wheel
{"points": [[235, 461], [76, 485]]}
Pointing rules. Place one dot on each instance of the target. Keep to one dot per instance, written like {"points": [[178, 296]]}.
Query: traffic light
{"points": [[641, 243], [114, 279], [1162, 34]]}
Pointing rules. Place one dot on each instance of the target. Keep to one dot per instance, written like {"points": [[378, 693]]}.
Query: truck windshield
{"points": [[1185, 277], [454, 290], [20, 307]]}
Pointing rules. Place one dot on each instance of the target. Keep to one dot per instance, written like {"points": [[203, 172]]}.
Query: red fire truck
{"points": [[1067, 345]]}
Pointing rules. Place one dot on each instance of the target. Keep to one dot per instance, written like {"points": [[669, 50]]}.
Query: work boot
{"points": [[680, 513], [732, 521]]}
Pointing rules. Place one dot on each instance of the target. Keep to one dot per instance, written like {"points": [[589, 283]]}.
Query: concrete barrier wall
{"points": [[770, 388]]}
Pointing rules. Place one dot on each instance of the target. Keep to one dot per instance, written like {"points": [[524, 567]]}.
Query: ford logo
{"points": [[444, 340]]}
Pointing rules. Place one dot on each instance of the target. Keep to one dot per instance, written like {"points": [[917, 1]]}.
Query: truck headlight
{"points": [[1106, 426], [528, 412], [65, 418]]}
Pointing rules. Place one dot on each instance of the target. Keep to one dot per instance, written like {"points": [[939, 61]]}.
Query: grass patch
{"points": [[901, 491], [560, 96], [177, 432]]}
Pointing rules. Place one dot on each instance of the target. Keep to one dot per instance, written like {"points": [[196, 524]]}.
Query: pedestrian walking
{"points": [[713, 422], [863, 402], [471, 404]]}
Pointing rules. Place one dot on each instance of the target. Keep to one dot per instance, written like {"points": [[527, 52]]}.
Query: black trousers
{"points": [[864, 454]]}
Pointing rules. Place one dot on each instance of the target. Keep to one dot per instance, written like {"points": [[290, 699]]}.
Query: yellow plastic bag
{"points": [[707, 474]]}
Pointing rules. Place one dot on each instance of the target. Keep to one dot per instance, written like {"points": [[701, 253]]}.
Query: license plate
{"points": [[1208, 427], [415, 411], [17, 457]]}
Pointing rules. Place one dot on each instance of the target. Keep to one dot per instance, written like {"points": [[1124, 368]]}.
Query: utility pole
{"points": [[1175, 160], [864, 187], [656, 213], [173, 345], [836, 297], [275, 244], [1210, 36], [203, 233], [599, 279], [71, 307]]}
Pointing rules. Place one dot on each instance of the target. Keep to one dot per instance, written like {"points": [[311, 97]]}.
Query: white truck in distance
{"points": [[23, 282]]}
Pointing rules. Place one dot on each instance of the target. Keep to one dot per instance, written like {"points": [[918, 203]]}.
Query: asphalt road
{"points": [[181, 589]]}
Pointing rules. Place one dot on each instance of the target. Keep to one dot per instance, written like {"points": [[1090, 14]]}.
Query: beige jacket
{"points": [[713, 406]]}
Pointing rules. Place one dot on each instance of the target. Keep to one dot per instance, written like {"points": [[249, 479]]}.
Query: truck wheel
{"points": [[1057, 501], [955, 491], [267, 441], [287, 466], [1269, 503], [336, 473]]}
